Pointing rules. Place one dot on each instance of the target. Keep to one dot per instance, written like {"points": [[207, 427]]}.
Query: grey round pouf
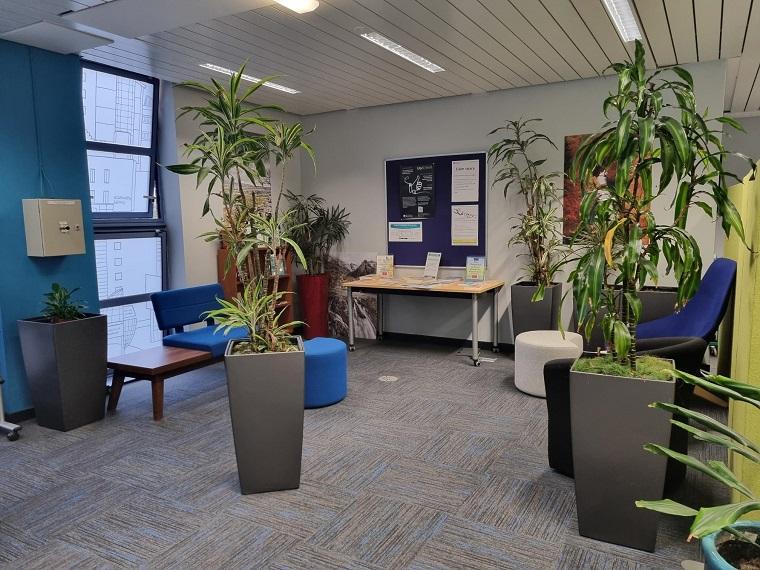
{"points": [[533, 349]]}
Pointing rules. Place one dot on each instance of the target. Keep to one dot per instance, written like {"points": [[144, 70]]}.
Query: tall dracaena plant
{"points": [[653, 120], [537, 226], [224, 155]]}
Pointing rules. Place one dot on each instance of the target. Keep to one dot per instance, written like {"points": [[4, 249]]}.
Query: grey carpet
{"points": [[444, 468]]}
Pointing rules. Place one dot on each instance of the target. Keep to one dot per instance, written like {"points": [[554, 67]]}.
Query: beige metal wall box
{"points": [[53, 227]]}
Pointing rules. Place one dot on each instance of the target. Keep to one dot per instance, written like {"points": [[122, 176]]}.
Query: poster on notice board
{"points": [[417, 190]]}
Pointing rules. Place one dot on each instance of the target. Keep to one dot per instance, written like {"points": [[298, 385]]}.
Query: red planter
{"points": [[312, 293]]}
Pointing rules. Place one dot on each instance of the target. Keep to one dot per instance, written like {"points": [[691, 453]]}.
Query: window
{"points": [[120, 110], [120, 119]]}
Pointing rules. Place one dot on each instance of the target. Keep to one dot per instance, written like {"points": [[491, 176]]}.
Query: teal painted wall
{"points": [[46, 86]]}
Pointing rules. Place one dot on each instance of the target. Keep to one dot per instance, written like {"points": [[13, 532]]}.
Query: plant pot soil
{"points": [[530, 316], [313, 293], [722, 551]]}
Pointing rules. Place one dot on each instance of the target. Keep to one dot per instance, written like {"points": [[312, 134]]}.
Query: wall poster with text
{"points": [[417, 189]]}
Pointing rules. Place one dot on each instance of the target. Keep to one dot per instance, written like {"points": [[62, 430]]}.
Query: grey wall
{"points": [[746, 143], [351, 148]]}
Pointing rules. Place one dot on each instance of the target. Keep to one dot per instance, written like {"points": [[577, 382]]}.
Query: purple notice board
{"points": [[436, 231]]}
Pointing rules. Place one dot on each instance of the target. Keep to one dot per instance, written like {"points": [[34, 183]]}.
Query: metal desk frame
{"points": [[494, 292]]}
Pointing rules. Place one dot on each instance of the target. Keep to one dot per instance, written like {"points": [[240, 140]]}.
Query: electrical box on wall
{"points": [[53, 227]]}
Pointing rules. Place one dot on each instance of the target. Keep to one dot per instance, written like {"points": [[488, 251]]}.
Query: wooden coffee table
{"points": [[154, 364]]}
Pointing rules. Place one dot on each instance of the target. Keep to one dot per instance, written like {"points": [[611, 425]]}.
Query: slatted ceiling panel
{"points": [[601, 28], [301, 74], [681, 23], [732, 72], [491, 26], [748, 66], [734, 15], [707, 14], [389, 21], [460, 69], [448, 23], [345, 63], [566, 16], [542, 20], [520, 73], [509, 17], [338, 28], [654, 24]]}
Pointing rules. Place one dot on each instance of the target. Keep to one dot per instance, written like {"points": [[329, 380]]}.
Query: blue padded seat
{"points": [[178, 308], [326, 372], [702, 315]]}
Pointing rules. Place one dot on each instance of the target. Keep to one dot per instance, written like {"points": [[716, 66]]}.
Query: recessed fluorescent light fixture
{"points": [[401, 51], [299, 6], [226, 71], [623, 18]]}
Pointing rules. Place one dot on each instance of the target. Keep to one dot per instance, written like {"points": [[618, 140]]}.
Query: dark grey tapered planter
{"points": [[610, 423], [266, 393], [541, 315], [66, 369]]}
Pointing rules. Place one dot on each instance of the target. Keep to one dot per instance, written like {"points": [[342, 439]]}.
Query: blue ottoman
{"points": [[326, 372]]}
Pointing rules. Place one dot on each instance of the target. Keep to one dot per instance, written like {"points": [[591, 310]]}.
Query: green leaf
{"points": [[684, 75], [622, 133], [713, 519], [680, 141], [716, 388], [621, 339], [668, 507]]}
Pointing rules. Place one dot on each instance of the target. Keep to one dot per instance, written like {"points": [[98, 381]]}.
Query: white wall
{"points": [[351, 148], [200, 256], [746, 143]]}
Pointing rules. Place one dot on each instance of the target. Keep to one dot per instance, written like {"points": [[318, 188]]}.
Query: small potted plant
{"points": [[653, 121], [726, 542], [65, 357], [317, 229], [536, 299]]}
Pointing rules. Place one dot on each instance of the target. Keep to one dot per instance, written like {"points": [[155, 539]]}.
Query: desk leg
{"points": [[380, 310], [116, 384], [475, 343], [350, 299], [495, 331], [157, 385]]}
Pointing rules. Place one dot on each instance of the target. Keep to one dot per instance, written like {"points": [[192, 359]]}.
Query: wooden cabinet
{"points": [[232, 286]]}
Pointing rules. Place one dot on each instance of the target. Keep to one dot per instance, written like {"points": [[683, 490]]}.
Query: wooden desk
{"points": [[154, 364], [414, 286]]}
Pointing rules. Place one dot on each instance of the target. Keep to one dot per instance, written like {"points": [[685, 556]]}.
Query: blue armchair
{"points": [[178, 308], [703, 313]]}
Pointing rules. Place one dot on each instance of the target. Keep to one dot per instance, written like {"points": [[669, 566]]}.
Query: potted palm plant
{"points": [[653, 122], [317, 229], [536, 299], [265, 371], [68, 391], [726, 542]]}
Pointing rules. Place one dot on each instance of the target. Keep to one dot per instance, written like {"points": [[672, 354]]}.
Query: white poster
{"points": [[431, 264], [465, 177], [464, 224], [405, 231]]}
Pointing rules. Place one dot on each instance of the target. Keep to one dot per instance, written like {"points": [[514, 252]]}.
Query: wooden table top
{"points": [[158, 360], [419, 284]]}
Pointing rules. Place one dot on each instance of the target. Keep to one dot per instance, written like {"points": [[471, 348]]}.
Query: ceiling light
{"points": [[401, 51], [623, 18], [299, 6], [250, 78]]}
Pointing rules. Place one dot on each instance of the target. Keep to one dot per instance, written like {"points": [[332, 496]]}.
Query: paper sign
{"points": [[431, 264], [464, 224], [417, 191], [475, 269], [465, 178], [405, 231], [385, 266]]}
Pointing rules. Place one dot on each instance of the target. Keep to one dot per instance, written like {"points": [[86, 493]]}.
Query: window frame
{"points": [[106, 219]]}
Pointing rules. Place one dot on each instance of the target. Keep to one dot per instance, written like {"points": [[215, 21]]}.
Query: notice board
{"points": [[409, 178]]}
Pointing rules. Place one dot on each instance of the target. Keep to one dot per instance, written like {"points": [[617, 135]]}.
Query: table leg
{"points": [[117, 382], [475, 343], [157, 385], [350, 300], [495, 332], [380, 310]]}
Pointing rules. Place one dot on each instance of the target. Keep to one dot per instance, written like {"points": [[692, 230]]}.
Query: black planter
{"points": [[266, 393], [66, 369], [541, 315], [610, 423]]}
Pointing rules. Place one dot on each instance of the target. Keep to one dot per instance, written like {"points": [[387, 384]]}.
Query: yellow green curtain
{"points": [[745, 359]]}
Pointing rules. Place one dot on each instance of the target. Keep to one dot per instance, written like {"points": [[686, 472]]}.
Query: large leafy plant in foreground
{"points": [[704, 428], [653, 123]]}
